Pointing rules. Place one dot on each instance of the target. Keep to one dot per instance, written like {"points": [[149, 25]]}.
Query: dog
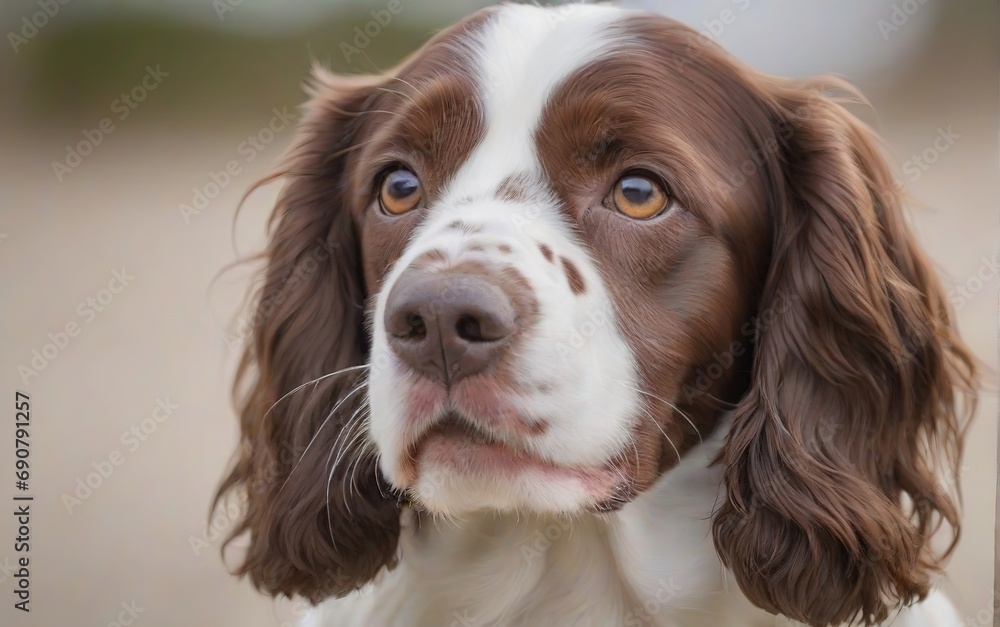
{"points": [[573, 319]]}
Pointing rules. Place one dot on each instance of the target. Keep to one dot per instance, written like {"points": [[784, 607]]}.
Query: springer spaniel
{"points": [[573, 319]]}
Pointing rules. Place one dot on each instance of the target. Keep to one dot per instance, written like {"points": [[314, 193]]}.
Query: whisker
{"points": [[358, 386], [349, 426], [329, 481], [315, 381], [657, 425], [635, 449], [378, 484], [722, 403], [341, 451], [362, 432], [365, 450], [661, 399]]}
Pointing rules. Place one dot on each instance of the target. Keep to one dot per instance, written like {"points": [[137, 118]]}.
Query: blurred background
{"points": [[130, 129]]}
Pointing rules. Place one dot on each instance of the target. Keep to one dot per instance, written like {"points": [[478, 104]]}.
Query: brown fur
{"points": [[785, 284], [293, 549], [300, 541], [853, 392]]}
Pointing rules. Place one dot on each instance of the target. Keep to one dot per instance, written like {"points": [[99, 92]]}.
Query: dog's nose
{"points": [[448, 326]]}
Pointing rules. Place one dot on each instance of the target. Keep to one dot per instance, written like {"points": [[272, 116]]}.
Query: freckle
{"points": [[544, 388], [546, 252], [430, 258], [573, 276], [477, 248], [537, 428], [457, 224], [505, 249]]}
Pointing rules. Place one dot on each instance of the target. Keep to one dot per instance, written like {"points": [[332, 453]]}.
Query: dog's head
{"points": [[530, 268]]}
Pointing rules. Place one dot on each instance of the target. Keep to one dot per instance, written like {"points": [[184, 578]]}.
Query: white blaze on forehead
{"points": [[523, 54]]}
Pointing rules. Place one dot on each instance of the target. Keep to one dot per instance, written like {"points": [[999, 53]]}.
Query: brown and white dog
{"points": [[572, 319]]}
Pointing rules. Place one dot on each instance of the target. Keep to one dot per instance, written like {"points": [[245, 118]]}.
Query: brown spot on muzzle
{"points": [[574, 277]]}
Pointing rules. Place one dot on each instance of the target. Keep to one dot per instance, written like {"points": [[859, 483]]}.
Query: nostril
{"points": [[416, 328], [467, 328]]}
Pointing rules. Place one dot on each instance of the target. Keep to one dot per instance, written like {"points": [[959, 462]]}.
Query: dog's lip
{"points": [[458, 445], [454, 425]]}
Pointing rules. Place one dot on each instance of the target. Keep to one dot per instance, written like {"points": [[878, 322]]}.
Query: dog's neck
{"points": [[650, 563]]}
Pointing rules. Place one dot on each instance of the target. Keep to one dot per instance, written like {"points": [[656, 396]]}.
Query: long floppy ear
{"points": [[318, 521], [858, 384]]}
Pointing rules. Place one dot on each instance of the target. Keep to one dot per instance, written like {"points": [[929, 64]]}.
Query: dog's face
{"points": [[553, 269], [545, 250], [548, 252]]}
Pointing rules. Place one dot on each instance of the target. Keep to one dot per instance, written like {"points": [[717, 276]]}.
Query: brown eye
{"points": [[640, 196], [400, 192]]}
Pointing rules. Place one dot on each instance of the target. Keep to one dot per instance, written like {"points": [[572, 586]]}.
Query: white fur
{"points": [[652, 562], [576, 348]]}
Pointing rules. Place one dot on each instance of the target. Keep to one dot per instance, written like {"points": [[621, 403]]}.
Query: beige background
{"points": [[163, 337]]}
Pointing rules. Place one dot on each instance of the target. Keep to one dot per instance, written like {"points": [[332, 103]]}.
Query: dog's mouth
{"points": [[454, 425], [459, 439], [455, 448]]}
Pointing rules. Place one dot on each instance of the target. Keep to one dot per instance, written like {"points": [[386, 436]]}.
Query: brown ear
{"points": [[832, 456], [319, 523]]}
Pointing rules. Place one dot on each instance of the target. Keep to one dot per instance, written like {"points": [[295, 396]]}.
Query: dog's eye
{"points": [[640, 196], [400, 192]]}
